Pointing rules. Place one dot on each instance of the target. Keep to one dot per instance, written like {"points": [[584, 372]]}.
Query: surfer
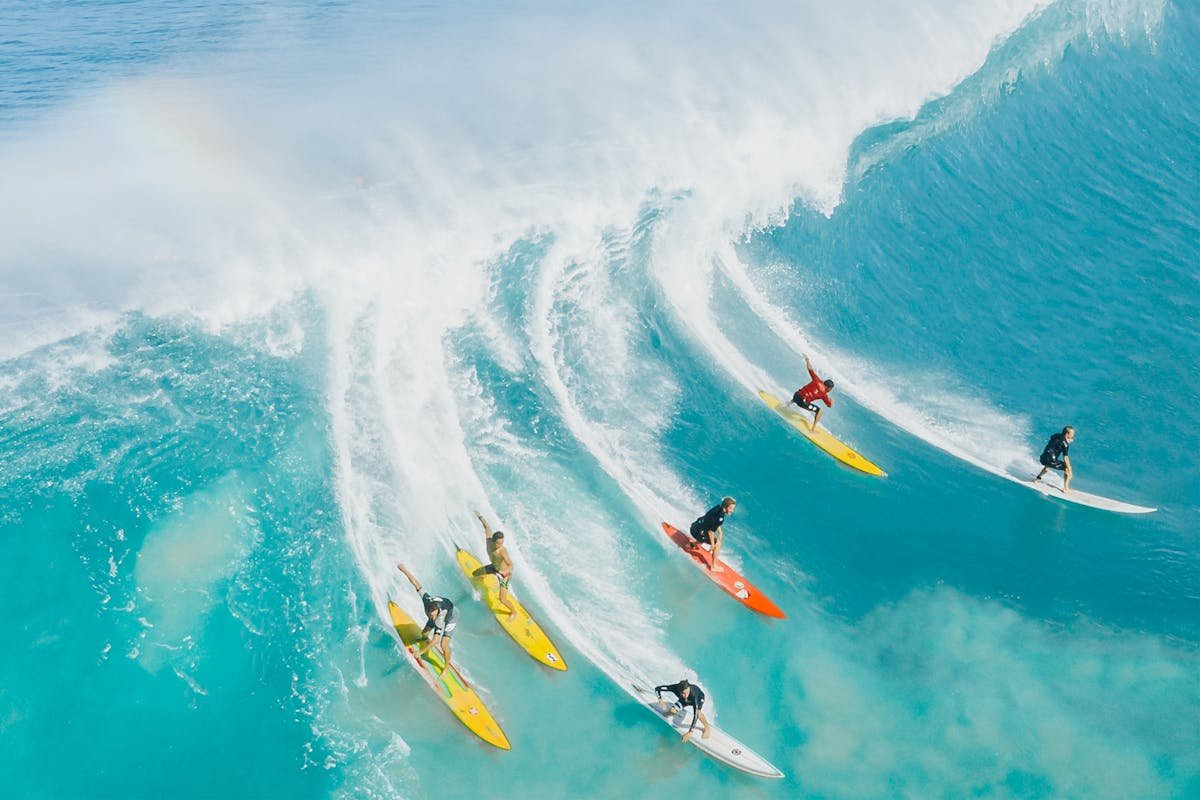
{"points": [[442, 614], [707, 530], [687, 695], [501, 566], [1055, 456], [816, 389]]}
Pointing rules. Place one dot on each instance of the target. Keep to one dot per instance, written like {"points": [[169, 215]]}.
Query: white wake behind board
{"points": [[719, 745], [1051, 486]]}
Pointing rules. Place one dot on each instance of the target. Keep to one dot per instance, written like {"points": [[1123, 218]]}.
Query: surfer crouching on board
{"points": [[817, 389], [501, 566], [1055, 456], [687, 695], [442, 614], [707, 530]]}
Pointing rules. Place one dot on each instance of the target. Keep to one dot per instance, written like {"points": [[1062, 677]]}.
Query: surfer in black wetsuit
{"points": [[443, 617], [687, 695], [707, 530], [1055, 455]]}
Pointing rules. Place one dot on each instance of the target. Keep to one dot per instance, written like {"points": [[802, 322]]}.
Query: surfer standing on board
{"points": [[688, 695], [817, 389], [501, 566], [1055, 456], [443, 617], [707, 530]]}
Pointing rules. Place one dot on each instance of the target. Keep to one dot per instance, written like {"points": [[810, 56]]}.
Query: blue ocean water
{"points": [[290, 289]]}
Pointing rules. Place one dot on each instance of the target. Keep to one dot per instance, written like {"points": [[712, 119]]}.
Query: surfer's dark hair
{"points": [[497, 535], [828, 384]]}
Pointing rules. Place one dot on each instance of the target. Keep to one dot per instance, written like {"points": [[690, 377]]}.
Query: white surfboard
{"points": [[1051, 486], [719, 745]]}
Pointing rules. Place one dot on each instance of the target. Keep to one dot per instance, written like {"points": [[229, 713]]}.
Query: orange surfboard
{"points": [[729, 580]]}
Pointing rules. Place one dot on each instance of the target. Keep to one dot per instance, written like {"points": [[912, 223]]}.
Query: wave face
{"points": [[291, 289]]}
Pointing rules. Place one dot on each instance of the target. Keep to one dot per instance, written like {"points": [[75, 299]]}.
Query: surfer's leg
{"points": [[451, 624], [1039, 476], [715, 566], [431, 646], [504, 598], [707, 728]]}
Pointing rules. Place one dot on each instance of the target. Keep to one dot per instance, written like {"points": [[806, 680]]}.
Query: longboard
{"points": [[820, 437], [524, 631], [1051, 486], [728, 579], [447, 683], [719, 744]]}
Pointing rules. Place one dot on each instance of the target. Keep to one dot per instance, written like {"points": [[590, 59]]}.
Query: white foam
{"points": [[962, 425], [220, 197]]}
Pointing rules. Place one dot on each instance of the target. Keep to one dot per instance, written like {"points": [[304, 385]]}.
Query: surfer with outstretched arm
{"points": [[442, 614], [706, 530], [687, 695], [501, 566], [816, 389], [1055, 456]]}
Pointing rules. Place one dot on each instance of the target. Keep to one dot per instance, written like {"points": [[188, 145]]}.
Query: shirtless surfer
{"points": [[1054, 456], [501, 566], [817, 389]]}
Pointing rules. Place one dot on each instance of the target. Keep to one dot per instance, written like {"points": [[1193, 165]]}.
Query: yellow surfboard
{"points": [[524, 631], [820, 437], [448, 684]]}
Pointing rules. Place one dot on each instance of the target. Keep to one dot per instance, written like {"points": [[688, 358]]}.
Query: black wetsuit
{"points": [[445, 620], [1055, 452], [695, 698], [712, 519]]}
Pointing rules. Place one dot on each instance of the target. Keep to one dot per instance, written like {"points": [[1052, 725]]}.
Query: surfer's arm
{"points": [[695, 718], [435, 628], [416, 583], [808, 364], [487, 529], [426, 640]]}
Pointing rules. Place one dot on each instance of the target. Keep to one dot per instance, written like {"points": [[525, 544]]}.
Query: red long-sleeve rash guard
{"points": [[815, 390]]}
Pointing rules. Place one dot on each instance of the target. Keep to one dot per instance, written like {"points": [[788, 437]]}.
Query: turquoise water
{"points": [[290, 289]]}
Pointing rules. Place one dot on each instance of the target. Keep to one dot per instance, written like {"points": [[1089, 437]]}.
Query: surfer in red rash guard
{"points": [[816, 389]]}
